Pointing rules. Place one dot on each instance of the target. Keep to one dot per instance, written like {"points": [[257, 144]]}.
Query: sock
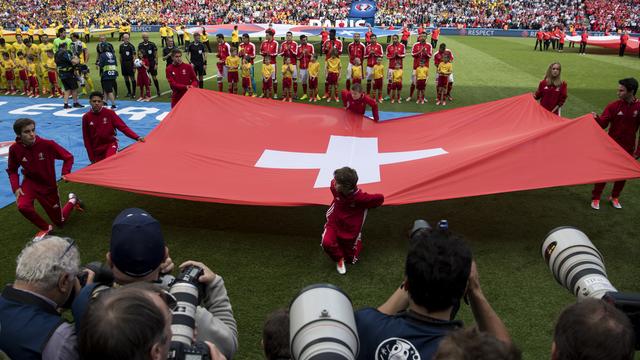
{"points": [[157, 85], [449, 86], [413, 88], [219, 85], [275, 88], [304, 88], [126, 82], [133, 86], [295, 87], [230, 89], [201, 84], [348, 84], [368, 87], [91, 87]]}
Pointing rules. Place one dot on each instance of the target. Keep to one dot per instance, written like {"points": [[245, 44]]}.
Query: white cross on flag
{"points": [[218, 147]]}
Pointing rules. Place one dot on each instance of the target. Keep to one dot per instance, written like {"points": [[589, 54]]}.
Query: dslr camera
{"points": [[188, 292]]}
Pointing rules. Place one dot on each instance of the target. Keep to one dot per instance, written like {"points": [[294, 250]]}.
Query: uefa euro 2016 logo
{"points": [[363, 7]]}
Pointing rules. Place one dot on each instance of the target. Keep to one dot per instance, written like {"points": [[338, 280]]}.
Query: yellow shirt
{"points": [[20, 63], [234, 36], [19, 48], [397, 75], [422, 72], [163, 31], [169, 32], [187, 35], [356, 72], [204, 37], [30, 31], [33, 50], [8, 65], [232, 62], [6, 49], [122, 29], [333, 65], [31, 69], [18, 31], [51, 64], [246, 70], [287, 71], [314, 69], [378, 71], [86, 31], [44, 48], [267, 71], [445, 69]]}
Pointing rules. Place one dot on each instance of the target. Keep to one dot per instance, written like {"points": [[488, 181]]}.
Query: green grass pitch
{"points": [[268, 254]]}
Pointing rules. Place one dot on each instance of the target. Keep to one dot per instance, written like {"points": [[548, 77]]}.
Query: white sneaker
{"points": [[42, 233], [408, 99], [595, 204], [615, 202], [341, 267]]}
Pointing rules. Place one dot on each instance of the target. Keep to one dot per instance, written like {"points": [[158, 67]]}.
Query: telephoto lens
{"points": [[576, 263], [322, 325]]}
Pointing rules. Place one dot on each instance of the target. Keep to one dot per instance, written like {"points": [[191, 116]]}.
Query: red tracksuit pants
{"points": [[49, 200], [338, 248]]}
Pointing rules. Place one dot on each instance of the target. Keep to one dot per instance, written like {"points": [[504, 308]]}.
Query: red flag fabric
{"points": [[225, 148], [609, 41]]}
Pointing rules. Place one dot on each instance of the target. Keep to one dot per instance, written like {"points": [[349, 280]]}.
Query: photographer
{"points": [[32, 327], [592, 329], [130, 322], [439, 272], [137, 253]]}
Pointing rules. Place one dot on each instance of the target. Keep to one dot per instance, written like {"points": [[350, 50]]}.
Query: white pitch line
{"points": [[203, 79]]}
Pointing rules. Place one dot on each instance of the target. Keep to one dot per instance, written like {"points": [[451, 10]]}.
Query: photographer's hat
{"points": [[137, 246]]}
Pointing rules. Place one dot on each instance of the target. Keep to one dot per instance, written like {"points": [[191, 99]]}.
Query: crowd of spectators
{"points": [[598, 15]]}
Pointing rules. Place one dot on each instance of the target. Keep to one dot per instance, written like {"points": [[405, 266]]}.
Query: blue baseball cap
{"points": [[137, 245]]}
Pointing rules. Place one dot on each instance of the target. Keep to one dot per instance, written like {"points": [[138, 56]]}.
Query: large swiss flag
{"points": [[225, 148]]}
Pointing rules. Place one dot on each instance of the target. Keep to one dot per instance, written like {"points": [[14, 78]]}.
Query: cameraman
{"points": [[32, 327], [130, 322], [590, 330], [439, 272], [137, 253]]}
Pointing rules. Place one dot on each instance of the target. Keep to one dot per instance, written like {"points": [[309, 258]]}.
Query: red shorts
{"points": [[246, 82], [286, 83], [220, 67], [9, 75], [377, 84], [421, 84], [232, 76], [313, 83], [33, 82], [53, 77], [23, 75], [267, 84], [443, 80], [397, 86], [356, 81], [332, 78]]}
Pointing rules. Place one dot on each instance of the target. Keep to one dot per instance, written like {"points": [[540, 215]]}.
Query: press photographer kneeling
{"points": [[137, 253]]}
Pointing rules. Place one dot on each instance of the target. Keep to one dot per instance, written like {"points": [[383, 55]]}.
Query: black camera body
{"points": [[181, 351]]}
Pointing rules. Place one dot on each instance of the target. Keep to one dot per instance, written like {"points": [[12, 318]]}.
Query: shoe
{"points": [[31, 96], [42, 233], [417, 101], [128, 95], [438, 102], [328, 100], [318, 97], [341, 267], [147, 99], [444, 103], [408, 99], [140, 99], [337, 99], [312, 99], [67, 106], [615, 202], [304, 97], [254, 95], [595, 204], [325, 96], [261, 95], [50, 96], [449, 98], [284, 100], [275, 97], [290, 100], [399, 100], [78, 105], [393, 101], [387, 98], [79, 205], [36, 96]]}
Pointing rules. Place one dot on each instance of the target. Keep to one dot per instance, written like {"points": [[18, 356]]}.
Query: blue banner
{"points": [[363, 9]]}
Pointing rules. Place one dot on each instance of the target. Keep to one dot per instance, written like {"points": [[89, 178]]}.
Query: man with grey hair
{"points": [[30, 325]]}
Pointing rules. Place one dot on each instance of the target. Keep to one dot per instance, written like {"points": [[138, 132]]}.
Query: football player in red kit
{"points": [[99, 129], [224, 51], [37, 158], [372, 52], [289, 49], [437, 58], [304, 55], [623, 119], [342, 237], [395, 54]]}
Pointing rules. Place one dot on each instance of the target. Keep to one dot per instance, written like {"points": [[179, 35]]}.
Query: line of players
{"points": [[300, 63]]}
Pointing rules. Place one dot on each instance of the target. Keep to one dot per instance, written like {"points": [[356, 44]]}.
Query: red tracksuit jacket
{"points": [[346, 214], [623, 120], [99, 131], [551, 96], [179, 77], [359, 106], [38, 163]]}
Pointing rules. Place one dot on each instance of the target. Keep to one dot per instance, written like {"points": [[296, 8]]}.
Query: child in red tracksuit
{"points": [[342, 238], [144, 82]]}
